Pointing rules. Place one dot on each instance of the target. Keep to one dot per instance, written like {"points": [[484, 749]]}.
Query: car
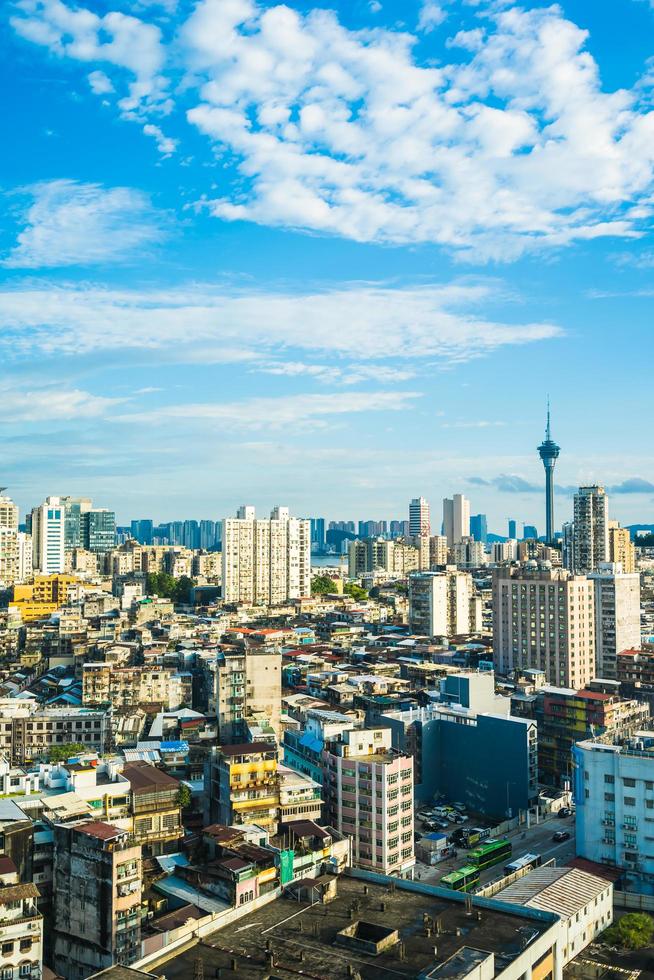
{"points": [[443, 824], [459, 806], [565, 811], [459, 818], [561, 835]]}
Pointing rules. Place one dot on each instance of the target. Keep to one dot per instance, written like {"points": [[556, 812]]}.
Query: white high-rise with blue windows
{"points": [[48, 538], [614, 793]]}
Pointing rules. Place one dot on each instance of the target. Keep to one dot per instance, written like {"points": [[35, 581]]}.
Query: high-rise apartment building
{"points": [[368, 793], [622, 550], [399, 529], [98, 526], [419, 523], [617, 616], [266, 562], [443, 604], [8, 513], [544, 619], [245, 785], [456, 518], [49, 536], [591, 529], [9, 541], [468, 553]]}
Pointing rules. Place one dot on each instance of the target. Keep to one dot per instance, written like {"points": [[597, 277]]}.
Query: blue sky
{"points": [[333, 255]]}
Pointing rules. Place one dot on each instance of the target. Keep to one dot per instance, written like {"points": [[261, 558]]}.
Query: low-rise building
{"points": [[155, 805], [21, 926], [107, 683]]}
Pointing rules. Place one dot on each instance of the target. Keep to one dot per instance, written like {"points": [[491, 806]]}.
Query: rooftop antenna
{"points": [[547, 430]]}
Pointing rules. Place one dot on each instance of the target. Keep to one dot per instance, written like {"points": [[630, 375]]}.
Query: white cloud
{"points": [[361, 322], [165, 144], [303, 411], [115, 38], [52, 403], [100, 83], [514, 147], [70, 223], [330, 374], [431, 15]]}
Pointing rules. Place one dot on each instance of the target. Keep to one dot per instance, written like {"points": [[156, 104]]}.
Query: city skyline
{"points": [[180, 331]]}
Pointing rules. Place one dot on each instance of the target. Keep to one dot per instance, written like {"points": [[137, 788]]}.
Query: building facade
{"points": [[617, 616], [456, 518], [443, 604], [591, 529], [544, 619]]}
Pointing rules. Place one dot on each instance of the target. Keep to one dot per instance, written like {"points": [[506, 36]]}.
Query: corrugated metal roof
{"points": [[564, 891]]}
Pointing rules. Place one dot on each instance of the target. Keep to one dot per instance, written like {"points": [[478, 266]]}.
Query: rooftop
{"points": [[145, 778], [293, 928]]}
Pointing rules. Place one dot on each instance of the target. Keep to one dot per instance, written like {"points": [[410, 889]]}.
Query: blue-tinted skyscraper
{"points": [[142, 531], [479, 527], [549, 453], [513, 530], [317, 533]]}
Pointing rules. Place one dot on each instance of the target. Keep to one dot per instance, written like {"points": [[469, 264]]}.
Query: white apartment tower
{"points": [[591, 529], [456, 518], [48, 524], [617, 616], [266, 562], [544, 619]]}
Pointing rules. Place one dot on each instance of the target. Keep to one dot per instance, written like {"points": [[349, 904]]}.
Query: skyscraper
{"points": [[549, 453], [513, 529], [456, 518], [419, 526], [142, 531], [479, 527]]}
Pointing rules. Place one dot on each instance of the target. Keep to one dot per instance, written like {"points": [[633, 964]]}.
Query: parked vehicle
{"points": [[460, 807], [561, 835], [565, 811], [459, 818]]}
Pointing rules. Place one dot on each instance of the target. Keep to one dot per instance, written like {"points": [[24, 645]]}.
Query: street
{"points": [[536, 840]]}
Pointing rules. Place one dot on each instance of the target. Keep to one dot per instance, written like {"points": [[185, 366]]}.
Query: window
{"points": [[608, 779], [7, 949], [630, 801], [609, 797], [25, 970], [629, 782]]}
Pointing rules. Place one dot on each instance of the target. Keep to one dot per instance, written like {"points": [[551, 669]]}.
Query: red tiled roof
{"points": [[593, 868], [593, 695], [96, 828]]}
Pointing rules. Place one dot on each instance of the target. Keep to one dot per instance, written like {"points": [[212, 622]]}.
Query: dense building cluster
{"points": [[196, 722]]}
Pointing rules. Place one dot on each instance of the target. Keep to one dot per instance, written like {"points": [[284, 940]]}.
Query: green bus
{"points": [[462, 880], [489, 853]]}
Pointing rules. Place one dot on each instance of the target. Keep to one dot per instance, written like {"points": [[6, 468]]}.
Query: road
{"points": [[536, 840]]}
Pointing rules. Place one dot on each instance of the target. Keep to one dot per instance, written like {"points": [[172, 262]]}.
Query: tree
{"points": [[184, 796], [633, 931], [350, 588], [322, 585], [168, 587], [59, 753]]}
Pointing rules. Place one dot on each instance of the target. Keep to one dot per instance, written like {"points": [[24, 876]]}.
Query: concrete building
{"points": [[244, 785], [108, 683], [266, 562], [395, 557], [617, 616], [368, 793], [469, 553], [591, 529], [48, 536], [622, 550], [503, 551], [155, 808], [544, 618], [244, 687], [456, 518], [635, 671], [614, 794], [29, 731], [299, 796], [98, 870], [443, 604]]}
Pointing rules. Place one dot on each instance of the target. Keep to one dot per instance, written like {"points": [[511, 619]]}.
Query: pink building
{"points": [[368, 791]]}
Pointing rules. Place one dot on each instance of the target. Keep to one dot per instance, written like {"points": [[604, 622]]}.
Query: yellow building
{"points": [[245, 785], [622, 549], [43, 596]]}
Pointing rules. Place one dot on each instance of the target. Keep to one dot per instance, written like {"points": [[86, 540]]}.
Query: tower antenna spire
{"points": [[547, 430]]}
